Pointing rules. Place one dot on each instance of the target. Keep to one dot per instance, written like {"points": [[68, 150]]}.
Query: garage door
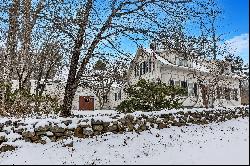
{"points": [[86, 103]]}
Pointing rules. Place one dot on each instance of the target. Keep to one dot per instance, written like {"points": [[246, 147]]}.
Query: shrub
{"points": [[151, 96], [21, 102]]}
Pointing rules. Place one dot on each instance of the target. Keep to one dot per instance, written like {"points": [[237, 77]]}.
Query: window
{"points": [[219, 90], [235, 94], [180, 62], [190, 63], [177, 61], [140, 69], [185, 63], [86, 100], [171, 82], [120, 95], [177, 83], [146, 66], [190, 89], [184, 85], [115, 96], [227, 93]]}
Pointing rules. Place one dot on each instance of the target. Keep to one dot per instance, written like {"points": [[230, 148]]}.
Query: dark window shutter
{"points": [[195, 89], [149, 65], [135, 70], [144, 67], [140, 69]]}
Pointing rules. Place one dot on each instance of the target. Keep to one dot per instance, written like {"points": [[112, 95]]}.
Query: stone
{"points": [[6, 148], [1, 126], [40, 128], [97, 127], [123, 121], [162, 126], [8, 123], [151, 120], [96, 133], [15, 123], [112, 128], [67, 122], [34, 138], [59, 134], [87, 132], [57, 129], [130, 127], [41, 141], [130, 117], [106, 124], [176, 124], [53, 139], [121, 127], [3, 139], [19, 131], [143, 127], [78, 132], [97, 122], [28, 134], [41, 133], [68, 144], [84, 125], [115, 122], [26, 139], [49, 133], [68, 133]]}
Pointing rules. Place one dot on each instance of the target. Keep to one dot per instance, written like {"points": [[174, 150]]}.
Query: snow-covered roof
{"points": [[197, 66], [200, 67]]}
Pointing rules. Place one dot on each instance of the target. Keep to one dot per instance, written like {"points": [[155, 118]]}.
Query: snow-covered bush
{"points": [[22, 102], [151, 96]]}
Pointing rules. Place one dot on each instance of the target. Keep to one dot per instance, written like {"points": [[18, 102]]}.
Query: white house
{"points": [[172, 69], [159, 65]]}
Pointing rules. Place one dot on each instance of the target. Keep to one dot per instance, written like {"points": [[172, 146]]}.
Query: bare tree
{"points": [[206, 47], [102, 76], [27, 52], [24, 24], [89, 26], [49, 61]]}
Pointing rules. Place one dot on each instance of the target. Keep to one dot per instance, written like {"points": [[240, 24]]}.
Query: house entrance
{"points": [[86, 103]]}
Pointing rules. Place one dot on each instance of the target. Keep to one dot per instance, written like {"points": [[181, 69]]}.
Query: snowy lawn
{"points": [[216, 143]]}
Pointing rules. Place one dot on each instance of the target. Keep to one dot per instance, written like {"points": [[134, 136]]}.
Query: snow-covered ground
{"points": [[216, 143]]}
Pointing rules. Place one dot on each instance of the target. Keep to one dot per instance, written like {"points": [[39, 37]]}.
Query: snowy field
{"points": [[216, 143]]}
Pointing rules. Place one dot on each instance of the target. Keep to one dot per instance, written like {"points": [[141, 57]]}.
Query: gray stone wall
{"points": [[86, 128]]}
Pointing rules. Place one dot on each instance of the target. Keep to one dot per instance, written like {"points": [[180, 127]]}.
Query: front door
{"points": [[86, 103]]}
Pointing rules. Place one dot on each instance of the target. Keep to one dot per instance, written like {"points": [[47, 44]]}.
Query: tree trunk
{"points": [[70, 91]]}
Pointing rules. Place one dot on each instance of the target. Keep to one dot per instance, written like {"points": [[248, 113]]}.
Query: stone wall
{"points": [[85, 128]]}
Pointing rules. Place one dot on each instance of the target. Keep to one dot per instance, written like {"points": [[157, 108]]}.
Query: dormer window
{"points": [[185, 63], [177, 61]]}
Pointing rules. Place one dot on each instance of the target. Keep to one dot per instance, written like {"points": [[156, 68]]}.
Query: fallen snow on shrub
{"points": [[215, 143]]}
